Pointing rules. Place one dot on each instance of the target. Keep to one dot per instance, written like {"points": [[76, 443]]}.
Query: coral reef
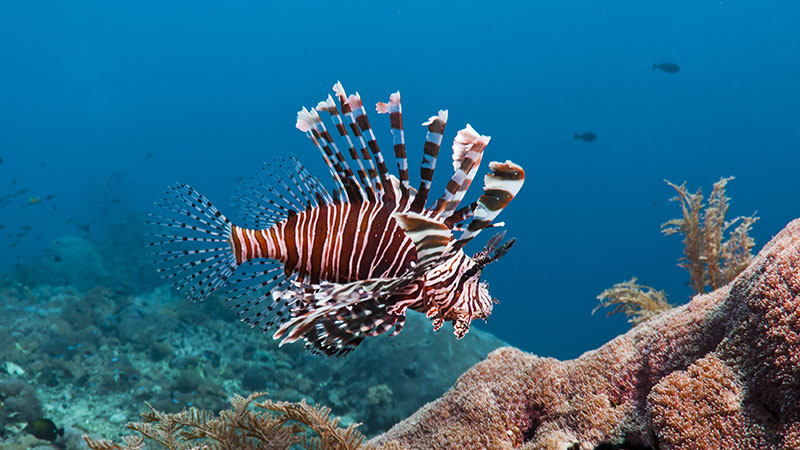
{"points": [[639, 303], [722, 371], [271, 426]]}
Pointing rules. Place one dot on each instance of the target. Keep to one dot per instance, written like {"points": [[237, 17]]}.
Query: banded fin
{"points": [[468, 146], [433, 140], [334, 318], [365, 185], [190, 242], [430, 236], [499, 188], [360, 113], [395, 110], [348, 110], [309, 122]]}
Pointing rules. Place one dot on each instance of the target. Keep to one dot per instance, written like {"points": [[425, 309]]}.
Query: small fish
{"points": [[148, 157], [35, 200], [587, 136], [14, 181], [44, 429], [345, 265], [50, 197], [667, 67]]}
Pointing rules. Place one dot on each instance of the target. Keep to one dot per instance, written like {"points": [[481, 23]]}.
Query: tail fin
{"points": [[191, 242]]}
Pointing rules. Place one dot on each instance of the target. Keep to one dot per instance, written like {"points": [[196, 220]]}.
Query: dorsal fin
{"points": [[263, 202], [329, 106], [356, 193], [433, 140], [309, 122], [363, 123], [347, 110], [395, 110]]}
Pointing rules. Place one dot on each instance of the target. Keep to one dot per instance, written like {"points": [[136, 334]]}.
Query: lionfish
{"points": [[333, 268]]}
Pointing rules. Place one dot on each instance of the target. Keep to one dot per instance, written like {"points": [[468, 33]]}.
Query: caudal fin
{"points": [[190, 242]]}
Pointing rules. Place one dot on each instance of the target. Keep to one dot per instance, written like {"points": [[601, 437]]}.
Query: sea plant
{"points": [[710, 259], [248, 425], [638, 302]]}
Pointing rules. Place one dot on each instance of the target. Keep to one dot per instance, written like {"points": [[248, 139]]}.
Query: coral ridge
{"points": [[722, 371]]}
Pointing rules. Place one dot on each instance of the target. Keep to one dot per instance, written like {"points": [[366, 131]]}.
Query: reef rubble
{"points": [[722, 371]]}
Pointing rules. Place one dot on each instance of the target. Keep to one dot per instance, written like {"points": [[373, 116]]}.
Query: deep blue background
{"points": [[211, 89]]}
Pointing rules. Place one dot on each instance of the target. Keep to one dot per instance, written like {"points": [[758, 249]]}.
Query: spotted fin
{"points": [[190, 242]]}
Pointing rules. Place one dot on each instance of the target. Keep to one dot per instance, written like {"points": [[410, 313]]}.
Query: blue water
{"points": [[105, 103]]}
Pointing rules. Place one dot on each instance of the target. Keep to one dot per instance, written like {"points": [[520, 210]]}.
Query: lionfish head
{"points": [[475, 297]]}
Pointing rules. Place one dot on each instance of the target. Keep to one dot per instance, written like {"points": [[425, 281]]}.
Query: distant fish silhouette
{"points": [[1, 160], [667, 67], [588, 136]]}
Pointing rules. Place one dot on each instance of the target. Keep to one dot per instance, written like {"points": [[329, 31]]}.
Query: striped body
{"points": [[334, 267], [337, 243]]}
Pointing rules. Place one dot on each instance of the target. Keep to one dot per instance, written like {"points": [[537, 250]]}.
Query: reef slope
{"points": [[722, 371]]}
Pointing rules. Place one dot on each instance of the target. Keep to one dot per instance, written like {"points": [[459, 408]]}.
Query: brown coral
{"points": [[714, 418], [722, 371]]}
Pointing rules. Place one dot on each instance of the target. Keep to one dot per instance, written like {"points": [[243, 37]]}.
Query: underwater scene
{"points": [[222, 227]]}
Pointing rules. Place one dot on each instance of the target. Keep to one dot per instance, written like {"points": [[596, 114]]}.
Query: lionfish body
{"points": [[332, 268]]}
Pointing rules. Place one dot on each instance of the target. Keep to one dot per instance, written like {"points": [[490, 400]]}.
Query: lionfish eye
{"points": [[472, 271]]}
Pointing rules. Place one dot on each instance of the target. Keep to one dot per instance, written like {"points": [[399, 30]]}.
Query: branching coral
{"points": [[709, 259], [273, 426], [638, 302]]}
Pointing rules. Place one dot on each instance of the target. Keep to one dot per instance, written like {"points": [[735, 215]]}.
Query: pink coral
{"points": [[722, 371]]}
